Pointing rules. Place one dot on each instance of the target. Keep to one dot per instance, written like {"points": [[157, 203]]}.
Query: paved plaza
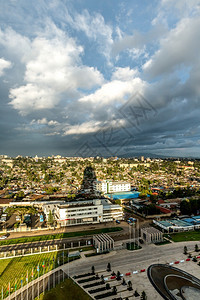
{"points": [[134, 261]]}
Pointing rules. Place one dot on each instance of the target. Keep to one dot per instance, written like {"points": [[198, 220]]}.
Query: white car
{"points": [[3, 237]]}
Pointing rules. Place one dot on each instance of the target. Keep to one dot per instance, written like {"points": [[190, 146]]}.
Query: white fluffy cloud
{"points": [[15, 44], [94, 126], [57, 63], [84, 128], [4, 64], [124, 74], [32, 97], [53, 68], [114, 91], [44, 121]]}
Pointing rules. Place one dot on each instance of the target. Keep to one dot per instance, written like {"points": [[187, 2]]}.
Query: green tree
{"points": [[22, 211], [16, 225], [185, 207], [51, 218], [20, 195], [194, 259], [118, 201], [185, 251]]}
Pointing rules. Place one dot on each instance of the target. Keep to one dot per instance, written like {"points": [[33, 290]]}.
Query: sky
{"points": [[106, 78]]}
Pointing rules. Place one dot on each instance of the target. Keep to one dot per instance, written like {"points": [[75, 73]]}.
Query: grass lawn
{"points": [[162, 243], [132, 246], [59, 236], [15, 270], [66, 290], [186, 236]]}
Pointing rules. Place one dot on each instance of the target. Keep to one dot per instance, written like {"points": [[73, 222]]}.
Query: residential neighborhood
{"points": [[65, 191]]}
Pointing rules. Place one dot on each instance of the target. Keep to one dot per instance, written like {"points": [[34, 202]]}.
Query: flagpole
{"points": [[38, 282], [21, 288], [49, 276], [59, 271], [68, 262], [32, 289], [32, 284], [43, 277], [63, 266], [27, 285], [15, 288], [54, 265]]}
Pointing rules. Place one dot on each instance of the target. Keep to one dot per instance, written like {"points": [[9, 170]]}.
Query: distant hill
{"points": [[153, 155], [136, 154]]}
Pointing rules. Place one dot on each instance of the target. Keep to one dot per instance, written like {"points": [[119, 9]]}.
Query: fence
{"points": [[38, 286], [44, 249]]}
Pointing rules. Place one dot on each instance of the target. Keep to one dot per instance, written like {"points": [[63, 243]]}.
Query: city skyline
{"points": [[80, 78]]}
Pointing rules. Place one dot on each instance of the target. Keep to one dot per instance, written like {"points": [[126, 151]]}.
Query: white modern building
{"points": [[107, 186], [101, 186], [84, 212], [151, 235], [111, 211]]}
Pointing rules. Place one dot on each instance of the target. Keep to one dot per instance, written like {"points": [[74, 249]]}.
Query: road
{"points": [[130, 259], [67, 241]]}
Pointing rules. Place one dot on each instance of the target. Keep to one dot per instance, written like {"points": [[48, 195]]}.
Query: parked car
{"points": [[18, 218], [3, 237], [117, 221]]}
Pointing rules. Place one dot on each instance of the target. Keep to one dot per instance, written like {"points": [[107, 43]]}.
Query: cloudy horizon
{"points": [[85, 78]]}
